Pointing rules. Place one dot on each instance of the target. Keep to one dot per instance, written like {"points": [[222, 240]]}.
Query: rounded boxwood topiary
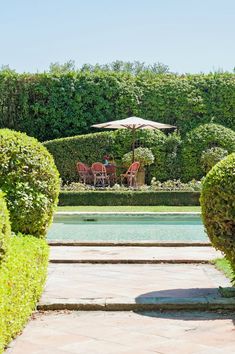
{"points": [[30, 181], [218, 206], [203, 137], [5, 228], [211, 157]]}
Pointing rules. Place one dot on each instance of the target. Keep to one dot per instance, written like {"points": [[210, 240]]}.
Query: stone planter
{"points": [[140, 178]]}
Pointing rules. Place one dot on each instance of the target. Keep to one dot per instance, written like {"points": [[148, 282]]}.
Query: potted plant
{"points": [[144, 156]]}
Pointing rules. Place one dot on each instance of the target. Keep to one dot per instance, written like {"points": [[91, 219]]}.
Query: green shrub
{"points": [[92, 147], [49, 106], [218, 206], [143, 155], [211, 157], [198, 140], [29, 178], [129, 197], [5, 228], [22, 276]]}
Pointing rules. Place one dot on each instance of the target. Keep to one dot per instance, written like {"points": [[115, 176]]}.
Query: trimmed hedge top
{"points": [[5, 228], [30, 181], [198, 140], [49, 106], [218, 206]]}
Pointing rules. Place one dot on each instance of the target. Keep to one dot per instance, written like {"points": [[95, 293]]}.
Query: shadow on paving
{"points": [[190, 315], [179, 293]]}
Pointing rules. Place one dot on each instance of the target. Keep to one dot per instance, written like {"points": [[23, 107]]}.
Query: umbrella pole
{"points": [[133, 145]]}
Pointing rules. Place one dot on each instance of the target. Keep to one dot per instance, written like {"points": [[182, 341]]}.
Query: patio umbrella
{"points": [[133, 123]]}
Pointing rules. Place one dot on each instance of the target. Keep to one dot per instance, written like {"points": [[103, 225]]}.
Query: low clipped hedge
{"points": [[22, 277], [128, 198], [30, 181], [218, 206], [200, 139], [5, 228]]}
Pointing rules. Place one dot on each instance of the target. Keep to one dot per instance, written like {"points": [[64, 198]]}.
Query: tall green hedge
{"points": [[22, 276], [90, 148], [49, 106], [200, 139]]}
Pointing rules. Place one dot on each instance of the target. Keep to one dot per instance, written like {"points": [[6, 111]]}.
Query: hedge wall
{"points": [[22, 276], [50, 106], [129, 198], [90, 148]]}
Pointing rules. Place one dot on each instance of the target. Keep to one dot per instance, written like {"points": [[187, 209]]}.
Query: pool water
{"points": [[128, 227]]}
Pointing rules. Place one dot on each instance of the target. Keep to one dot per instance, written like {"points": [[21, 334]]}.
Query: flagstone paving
{"points": [[130, 283], [127, 333], [71, 253], [130, 286]]}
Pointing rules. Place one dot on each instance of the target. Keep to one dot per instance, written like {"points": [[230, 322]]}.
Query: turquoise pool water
{"points": [[127, 227]]}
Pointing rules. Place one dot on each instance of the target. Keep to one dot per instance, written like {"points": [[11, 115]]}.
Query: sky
{"points": [[190, 36]]}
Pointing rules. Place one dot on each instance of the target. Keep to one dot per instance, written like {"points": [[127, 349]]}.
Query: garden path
{"points": [[124, 294]]}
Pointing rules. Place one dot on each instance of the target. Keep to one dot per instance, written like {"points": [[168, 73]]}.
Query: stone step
{"points": [[138, 255], [134, 287]]}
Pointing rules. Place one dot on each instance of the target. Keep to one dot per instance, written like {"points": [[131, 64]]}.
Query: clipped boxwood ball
{"points": [[5, 228], [30, 181], [218, 206], [198, 140]]}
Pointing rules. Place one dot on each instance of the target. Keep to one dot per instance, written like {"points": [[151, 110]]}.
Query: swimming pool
{"points": [[128, 227]]}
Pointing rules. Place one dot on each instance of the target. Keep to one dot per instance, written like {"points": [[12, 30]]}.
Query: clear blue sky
{"points": [[188, 35]]}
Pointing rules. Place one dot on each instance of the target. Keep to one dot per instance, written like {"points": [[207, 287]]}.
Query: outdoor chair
{"points": [[85, 174], [101, 179], [131, 174]]}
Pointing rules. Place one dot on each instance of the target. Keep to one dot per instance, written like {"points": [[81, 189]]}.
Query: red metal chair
{"points": [[131, 174], [85, 174], [101, 179]]}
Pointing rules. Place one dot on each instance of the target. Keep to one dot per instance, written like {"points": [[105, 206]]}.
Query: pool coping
{"points": [[144, 243], [62, 213]]}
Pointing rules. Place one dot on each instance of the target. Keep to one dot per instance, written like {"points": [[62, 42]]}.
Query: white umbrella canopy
{"points": [[133, 123]]}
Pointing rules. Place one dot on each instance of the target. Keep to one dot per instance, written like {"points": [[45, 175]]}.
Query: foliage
{"points": [[5, 228], [198, 140], [175, 185], [57, 68], [129, 197], [29, 178], [22, 276], [218, 206], [224, 266], [134, 68], [92, 147], [57, 104], [211, 157], [143, 155], [75, 186]]}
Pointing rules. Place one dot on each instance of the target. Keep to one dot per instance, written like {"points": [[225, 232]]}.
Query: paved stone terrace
{"points": [[101, 285], [128, 333], [116, 287]]}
